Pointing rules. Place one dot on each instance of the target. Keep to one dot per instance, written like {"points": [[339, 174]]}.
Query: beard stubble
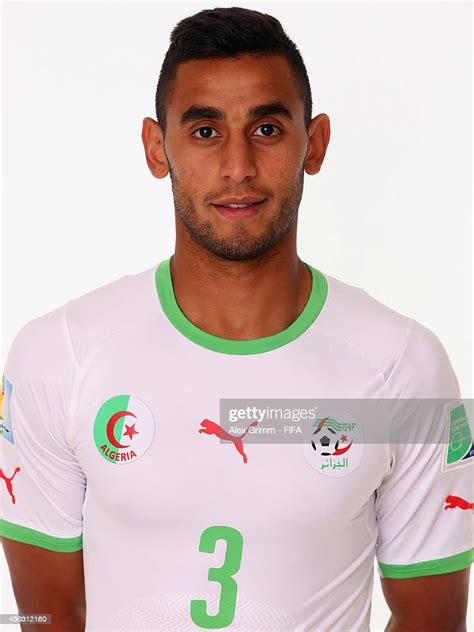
{"points": [[240, 244]]}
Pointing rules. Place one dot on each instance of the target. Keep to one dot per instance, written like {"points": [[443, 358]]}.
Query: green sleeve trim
{"points": [[37, 538], [431, 567]]}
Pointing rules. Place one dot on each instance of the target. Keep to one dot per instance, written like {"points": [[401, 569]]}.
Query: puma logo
{"points": [[8, 482], [212, 428], [456, 501]]}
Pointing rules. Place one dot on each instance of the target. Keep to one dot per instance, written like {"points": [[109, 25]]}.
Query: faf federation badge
{"points": [[336, 446]]}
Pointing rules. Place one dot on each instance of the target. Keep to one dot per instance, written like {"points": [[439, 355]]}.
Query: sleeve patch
{"points": [[459, 448], [6, 430]]}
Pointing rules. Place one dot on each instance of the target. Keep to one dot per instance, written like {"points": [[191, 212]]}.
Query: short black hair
{"points": [[228, 32]]}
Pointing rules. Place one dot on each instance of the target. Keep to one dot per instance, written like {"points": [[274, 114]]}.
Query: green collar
{"points": [[316, 300]]}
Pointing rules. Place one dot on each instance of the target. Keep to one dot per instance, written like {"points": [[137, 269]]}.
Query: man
{"points": [[127, 503]]}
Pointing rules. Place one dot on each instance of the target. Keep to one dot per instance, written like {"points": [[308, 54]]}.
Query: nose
{"points": [[238, 158]]}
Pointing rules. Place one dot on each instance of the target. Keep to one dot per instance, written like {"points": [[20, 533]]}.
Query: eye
{"points": [[205, 133], [267, 129]]}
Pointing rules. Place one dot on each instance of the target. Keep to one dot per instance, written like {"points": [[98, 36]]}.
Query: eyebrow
{"points": [[197, 112]]}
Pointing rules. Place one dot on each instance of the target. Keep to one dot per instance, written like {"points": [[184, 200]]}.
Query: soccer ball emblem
{"points": [[336, 446], [325, 441]]}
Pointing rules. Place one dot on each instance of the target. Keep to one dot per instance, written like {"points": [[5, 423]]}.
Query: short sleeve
{"points": [[424, 505], [43, 486]]}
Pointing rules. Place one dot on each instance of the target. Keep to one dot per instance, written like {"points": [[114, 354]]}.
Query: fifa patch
{"points": [[459, 445], [124, 428], [6, 430], [337, 444]]}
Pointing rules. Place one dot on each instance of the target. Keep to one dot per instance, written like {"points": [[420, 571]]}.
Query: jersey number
{"points": [[222, 574]]}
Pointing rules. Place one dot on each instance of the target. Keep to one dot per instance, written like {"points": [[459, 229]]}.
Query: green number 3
{"points": [[223, 575]]}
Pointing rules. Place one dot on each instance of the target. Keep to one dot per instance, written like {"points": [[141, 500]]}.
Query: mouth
{"points": [[239, 209]]}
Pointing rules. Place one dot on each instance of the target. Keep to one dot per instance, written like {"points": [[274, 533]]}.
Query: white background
{"points": [[389, 212]]}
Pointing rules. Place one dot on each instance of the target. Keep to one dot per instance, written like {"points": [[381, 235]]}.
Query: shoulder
{"points": [[109, 309], [403, 350], [65, 335]]}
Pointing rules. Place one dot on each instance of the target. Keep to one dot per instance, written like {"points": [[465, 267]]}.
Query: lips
{"points": [[240, 209], [246, 200]]}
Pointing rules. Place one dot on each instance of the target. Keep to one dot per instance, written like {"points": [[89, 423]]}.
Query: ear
{"points": [[152, 138], [319, 132]]}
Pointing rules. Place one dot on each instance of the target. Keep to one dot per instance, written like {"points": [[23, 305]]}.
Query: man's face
{"points": [[221, 148]]}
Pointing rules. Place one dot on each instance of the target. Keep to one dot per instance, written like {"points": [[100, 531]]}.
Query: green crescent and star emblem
{"points": [[124, 428]]}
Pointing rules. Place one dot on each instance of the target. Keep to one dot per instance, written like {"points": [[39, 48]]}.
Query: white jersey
{"points": [[113, 443]]}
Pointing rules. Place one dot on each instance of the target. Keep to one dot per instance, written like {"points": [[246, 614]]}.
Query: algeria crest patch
{"points": [[124, 428]]}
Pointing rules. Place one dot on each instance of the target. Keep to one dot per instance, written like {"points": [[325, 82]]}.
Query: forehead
{"points": [[234, 83]]}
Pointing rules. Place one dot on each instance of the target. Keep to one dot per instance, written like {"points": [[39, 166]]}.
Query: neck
{"points": [[240, 300]]}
